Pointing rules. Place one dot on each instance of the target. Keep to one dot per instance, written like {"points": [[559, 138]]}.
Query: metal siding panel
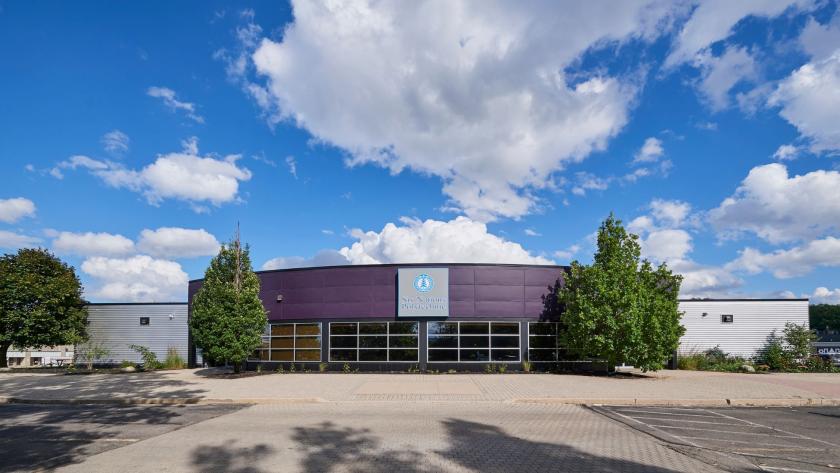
{"points": [[753, 323], [118, 326]]}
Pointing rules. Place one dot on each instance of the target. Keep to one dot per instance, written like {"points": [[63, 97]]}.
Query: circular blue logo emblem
{"points": [[424, 283]]}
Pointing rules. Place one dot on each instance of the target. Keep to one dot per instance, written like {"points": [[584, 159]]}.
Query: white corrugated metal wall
{"points": [[116, 326], [752, 322]]}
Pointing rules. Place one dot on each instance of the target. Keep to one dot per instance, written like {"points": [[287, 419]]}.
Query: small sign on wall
{"points": [[423, 292]]}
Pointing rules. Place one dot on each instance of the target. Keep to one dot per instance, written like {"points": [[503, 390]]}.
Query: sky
{"points": [[135, 137]]}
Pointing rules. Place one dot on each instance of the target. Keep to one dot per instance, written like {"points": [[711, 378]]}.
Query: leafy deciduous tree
{"points": [[40, 302], [620, 308], [227, 314]]}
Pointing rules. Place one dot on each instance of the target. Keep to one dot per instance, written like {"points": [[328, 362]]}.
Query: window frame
{"points": [[489, 336], [723, 318], [387, 336], [266, 338], [556, 348]]}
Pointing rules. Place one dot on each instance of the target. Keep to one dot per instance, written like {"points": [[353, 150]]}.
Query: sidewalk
{"points": [[201, 386]]}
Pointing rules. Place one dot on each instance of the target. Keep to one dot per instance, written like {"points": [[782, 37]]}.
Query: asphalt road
{"points": [[42, 437], [801, 439]]}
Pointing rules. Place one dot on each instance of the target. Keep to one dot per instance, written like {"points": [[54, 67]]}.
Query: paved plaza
{"points": [[681, 387]]}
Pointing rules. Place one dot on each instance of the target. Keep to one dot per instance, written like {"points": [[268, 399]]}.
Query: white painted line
{"points": [[658, 430], [723, 431], [753, 443], [78, 439], [686, 420], [667, 413], [779, 468], [775, 429]]}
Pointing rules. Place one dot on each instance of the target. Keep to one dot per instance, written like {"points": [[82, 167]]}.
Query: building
{"points": [[157, 326], [47, 356], [739, 327], [458, 316]]}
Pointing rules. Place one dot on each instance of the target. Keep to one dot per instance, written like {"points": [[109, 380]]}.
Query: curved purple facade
{"points": [[483, 291]]}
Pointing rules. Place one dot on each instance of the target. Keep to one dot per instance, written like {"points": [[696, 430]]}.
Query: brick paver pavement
{"points": [[363, 387], [397, 437]]}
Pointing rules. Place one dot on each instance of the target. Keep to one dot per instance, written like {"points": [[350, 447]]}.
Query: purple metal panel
{"points": [[475, 291], [499, 276]]}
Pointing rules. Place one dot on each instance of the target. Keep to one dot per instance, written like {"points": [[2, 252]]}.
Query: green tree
{"points": [[40, 302], [620, 308], [824, 316], [798, 339], [227, 315]]}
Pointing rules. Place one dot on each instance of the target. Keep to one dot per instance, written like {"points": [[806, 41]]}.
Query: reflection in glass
{"points": [[443, 341], [479, 328], [373, 342], [505, 355], [343, 342], [542, 328], [475, 355], [379, 328], [403, 355], [282, 330], [307, 355], [402, 341], [343, 355], [440, 328], [343, 329], [443, 355], [475, 342], [504, 341], [283, 342], [404, 328], [373, 355], [504, 328], [307, 329], [307, 342], [281, 355]]}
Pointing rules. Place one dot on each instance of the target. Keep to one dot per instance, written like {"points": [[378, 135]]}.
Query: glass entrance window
{"points": [[544, 342], [473, 342], [374, 342], [291, 342]]}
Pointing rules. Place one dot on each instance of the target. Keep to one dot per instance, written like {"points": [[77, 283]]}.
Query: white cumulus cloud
{"points": [[12, 210], [184, 175], [461, 240], [13, 240], [651, 151], [138, 279], [477, 96], [824, 295], [174, 242], [792, 262], [781, 208], [810, 100], [90, 244]]}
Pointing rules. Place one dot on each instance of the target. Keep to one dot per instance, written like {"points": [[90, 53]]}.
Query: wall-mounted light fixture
{"points": [[279, 297], [704, 314]]}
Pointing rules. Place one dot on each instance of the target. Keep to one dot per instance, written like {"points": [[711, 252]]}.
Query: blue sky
{"points": [[135, 137]]}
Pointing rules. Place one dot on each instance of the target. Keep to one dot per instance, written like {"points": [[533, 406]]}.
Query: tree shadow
{"points": [[327, 446], [228, 458], [36, 436], [96, 386], [470, 445]]}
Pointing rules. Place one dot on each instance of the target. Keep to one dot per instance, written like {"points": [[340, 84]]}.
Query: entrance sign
{"points": [[423, 292]]}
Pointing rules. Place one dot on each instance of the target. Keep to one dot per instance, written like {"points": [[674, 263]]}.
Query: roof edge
{"points": [[397, 265], [748, 300], [136, 303]]}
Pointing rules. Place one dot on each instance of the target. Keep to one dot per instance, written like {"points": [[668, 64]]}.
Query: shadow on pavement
{"points": [[228, 458], [46, 437], [96, 386], [471, 445]]}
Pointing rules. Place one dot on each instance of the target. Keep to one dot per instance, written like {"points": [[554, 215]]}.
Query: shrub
{"points": [[490, 368], [776, 357], [526, 366], [322, 367], [347, 368], [713, 359], [502, 369], [798, 339], [279, 369], [150, 361], [173, 360], [126, 364]]}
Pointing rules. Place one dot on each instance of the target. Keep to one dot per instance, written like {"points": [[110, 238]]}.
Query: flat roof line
{"points": [[745, 300], [416, 265], [136, 303]]}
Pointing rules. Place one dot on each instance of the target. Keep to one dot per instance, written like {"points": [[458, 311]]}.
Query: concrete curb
{"points": [[165, 401], [792, 402]]}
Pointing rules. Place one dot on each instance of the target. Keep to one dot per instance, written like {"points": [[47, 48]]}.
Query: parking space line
{"points": [[792, 470], [720, 431], [662, 432], [686, 420], [753, 443], [775, 429], [667, 413]]}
